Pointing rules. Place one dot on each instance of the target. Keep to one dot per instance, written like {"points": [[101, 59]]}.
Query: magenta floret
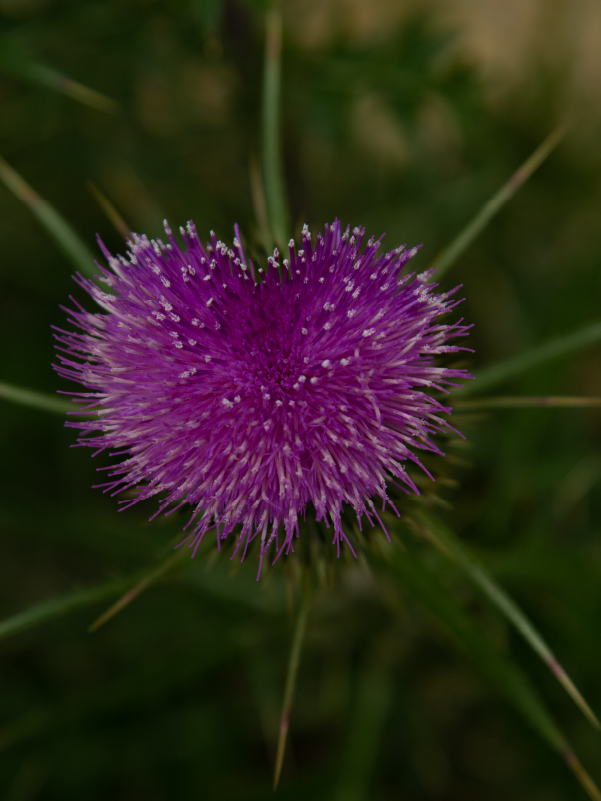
{"points": [[250, 399]]}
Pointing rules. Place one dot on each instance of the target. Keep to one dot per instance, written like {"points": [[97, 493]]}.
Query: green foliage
{"points": [[59, 229]]}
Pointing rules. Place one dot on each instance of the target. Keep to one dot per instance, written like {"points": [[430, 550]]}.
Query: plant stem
{"points": [[275, 196], [293, 663]]}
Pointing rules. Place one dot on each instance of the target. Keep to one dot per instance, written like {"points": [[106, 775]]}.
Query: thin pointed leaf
{"points": [[275, 193], [111, 212], [258, 198], [444, 539], [270, 600], [503, 371], [526, 402], [293, 663], [15, 60], [38, 400], [145, 582], [499, 670], [56, 607], [50, 77], [445, 260], [58, 228]]}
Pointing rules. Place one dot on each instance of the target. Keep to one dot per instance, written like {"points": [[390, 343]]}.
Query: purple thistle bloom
{"points": [[251, 399]]}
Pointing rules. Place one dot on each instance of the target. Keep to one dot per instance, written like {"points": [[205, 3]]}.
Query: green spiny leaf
{"points": [[146, 581], [58, 228], [499, 670], [17, 61], [511, 368], [57, 607], [109, 209], [445, 260], [444, 539], [269, 598]]}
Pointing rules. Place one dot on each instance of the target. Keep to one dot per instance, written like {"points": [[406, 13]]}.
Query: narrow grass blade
{"points": [[293, 663], [57, 607], [260, 209], [511, 368], [275, 193], [37, 400], [139, 588], [444, 539], [526, 402], [111, 212], [15, 60], [58, 228], [67, 86], [445, 260], [585, 780], [213, 582], [499, 670]]}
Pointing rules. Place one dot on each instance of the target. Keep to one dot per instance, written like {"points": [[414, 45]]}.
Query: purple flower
{"points": [[250, 397]]}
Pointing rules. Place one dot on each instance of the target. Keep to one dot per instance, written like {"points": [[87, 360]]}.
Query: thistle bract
{"points": [[252, 395]]}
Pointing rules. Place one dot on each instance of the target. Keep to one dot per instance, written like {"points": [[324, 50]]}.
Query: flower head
{"points": [[250, 397]]}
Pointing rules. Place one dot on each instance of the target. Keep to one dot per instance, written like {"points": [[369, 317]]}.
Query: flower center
{"points": [[269, 364]]}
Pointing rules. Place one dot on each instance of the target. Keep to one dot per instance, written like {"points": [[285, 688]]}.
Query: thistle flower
{"points": [[251, 396]]}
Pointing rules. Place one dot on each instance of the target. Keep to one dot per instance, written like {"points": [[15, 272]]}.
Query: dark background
{"points": [[403, 117]]}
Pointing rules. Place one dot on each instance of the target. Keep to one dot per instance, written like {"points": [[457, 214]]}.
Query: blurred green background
{"points": [[401, 116]]}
